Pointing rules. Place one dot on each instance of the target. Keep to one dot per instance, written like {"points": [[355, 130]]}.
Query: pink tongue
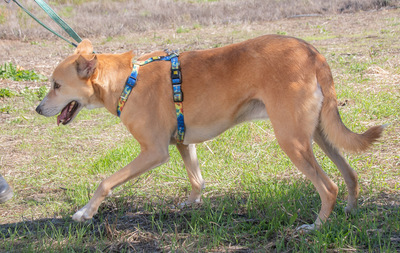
{"points": [[63, 115]]}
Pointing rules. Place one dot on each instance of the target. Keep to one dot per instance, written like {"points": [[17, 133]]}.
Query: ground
{"points": [[43, 162]]}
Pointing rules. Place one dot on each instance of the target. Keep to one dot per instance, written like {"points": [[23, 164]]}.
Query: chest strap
{"points": [[176, 77]]}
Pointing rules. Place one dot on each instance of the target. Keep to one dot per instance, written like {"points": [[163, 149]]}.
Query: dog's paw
{"points": [[82, 215], [306, 228], [189, 203], [350, 210]]}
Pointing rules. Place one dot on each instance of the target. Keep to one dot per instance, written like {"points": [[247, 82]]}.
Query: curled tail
{"points": [[336, 132]]}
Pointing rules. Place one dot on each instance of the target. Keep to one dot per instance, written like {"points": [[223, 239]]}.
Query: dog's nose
{"points": [[39, 110]]}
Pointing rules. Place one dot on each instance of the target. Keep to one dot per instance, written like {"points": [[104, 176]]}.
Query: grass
{"points": [[254, 197], [13, 72]]}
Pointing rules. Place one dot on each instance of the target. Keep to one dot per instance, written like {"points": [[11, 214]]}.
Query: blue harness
{"points": [[176, 78]]}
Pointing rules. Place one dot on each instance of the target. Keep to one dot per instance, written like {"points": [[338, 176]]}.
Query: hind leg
{"points": [[294, 127], [294, 120], [299, 150], [350, 176]]}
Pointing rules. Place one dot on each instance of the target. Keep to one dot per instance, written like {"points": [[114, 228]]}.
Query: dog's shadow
{"points": [[147, 225]]}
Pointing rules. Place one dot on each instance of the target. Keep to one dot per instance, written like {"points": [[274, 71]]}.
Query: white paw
{"points": [[351, 210], [306, 228], [82, 215], [188, 203]]}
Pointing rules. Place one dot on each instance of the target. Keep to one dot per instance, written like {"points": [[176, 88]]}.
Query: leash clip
{"points": [[170, 52]]}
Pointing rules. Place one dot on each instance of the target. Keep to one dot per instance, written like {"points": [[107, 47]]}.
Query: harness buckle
{"points": [[176, 76], [131, 81]]}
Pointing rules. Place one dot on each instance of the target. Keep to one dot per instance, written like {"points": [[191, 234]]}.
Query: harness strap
{"points": [[176, 78], [130, 83], [158, 58]]}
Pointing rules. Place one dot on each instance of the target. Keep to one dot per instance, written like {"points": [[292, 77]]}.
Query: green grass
{"points": [[4, 92], [254, 197], [182, 29], [11, 71]]}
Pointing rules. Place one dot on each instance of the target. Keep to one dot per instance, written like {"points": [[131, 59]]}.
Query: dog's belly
{"points": [[252, 110]]}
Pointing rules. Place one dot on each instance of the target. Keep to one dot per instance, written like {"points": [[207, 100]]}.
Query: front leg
{"points": [[189, 156], [146, 160]]}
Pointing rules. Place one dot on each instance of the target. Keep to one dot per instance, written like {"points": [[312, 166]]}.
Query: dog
{"points": [[280, 78]]}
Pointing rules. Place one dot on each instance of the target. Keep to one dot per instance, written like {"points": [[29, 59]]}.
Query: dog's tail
{"points": [[334, 129]]}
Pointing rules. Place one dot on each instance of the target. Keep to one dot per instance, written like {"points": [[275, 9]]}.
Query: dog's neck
{"points": [[110, 77]]}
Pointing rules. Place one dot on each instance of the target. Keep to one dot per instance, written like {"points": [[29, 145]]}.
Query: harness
{"points": [[176, 78]]}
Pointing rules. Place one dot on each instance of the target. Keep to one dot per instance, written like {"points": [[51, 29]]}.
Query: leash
{"points": [[53, 16], [176, 78]]}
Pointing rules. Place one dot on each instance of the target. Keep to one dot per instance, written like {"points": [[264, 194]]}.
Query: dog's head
{"points": [[72, 86]]}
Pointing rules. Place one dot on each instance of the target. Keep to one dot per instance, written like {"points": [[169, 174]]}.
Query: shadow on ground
{"points": [[130, 224]]}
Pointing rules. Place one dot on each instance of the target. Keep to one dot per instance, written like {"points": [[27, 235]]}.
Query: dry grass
{"points": [[98, 18]]}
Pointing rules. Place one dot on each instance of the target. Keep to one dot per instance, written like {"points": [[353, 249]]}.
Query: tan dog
{"points": [[276, 77]]}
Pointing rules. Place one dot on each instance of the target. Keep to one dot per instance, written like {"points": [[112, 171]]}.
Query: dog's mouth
{"points": [[68, 113]]}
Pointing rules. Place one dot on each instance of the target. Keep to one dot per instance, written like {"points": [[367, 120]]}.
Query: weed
{"points": [[4, 92], [34, 95], [182, 30], [197, 26], [67, 12], [5, 109], [41, 92], [13, 72], [3, 15], [322, 29]]}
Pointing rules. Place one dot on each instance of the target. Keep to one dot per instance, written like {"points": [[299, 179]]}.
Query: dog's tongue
{"points": [[63, 115]]}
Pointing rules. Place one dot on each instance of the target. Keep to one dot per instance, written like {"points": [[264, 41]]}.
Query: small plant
{"points": [[34, 95], [3, 15], [67, 12], [6, 93], [5, 109], [182, 30], [13, 72], [41, 92], [197, 26]]}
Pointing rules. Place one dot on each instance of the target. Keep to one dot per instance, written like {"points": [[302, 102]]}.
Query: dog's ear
{"points": [[85, 47], [85, 67]]}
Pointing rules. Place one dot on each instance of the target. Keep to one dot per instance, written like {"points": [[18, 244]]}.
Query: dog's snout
{"points": [[39, 110]]}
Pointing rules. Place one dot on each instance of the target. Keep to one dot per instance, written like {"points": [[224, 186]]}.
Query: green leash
{"points": [[56, 19]]}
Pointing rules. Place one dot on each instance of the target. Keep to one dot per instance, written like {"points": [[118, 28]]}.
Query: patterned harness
{"points": [[176, 78]]}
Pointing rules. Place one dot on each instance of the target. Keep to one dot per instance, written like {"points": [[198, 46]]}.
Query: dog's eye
{"points": [[56, 86]]}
